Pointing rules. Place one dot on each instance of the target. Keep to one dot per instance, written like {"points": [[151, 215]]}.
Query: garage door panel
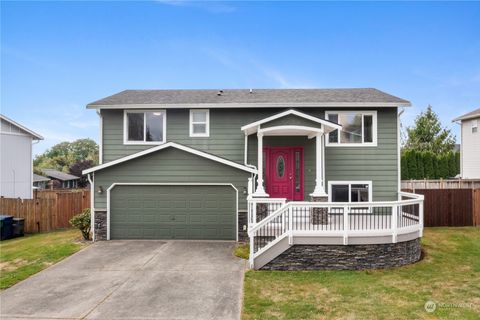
{"points": [[173, 212]]}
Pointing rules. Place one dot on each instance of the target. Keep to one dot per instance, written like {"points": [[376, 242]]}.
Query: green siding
{"points": [[171, 166], [378, 164]]}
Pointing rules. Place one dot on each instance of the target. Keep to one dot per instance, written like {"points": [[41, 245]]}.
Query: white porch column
{"points": [[319, 191], [260, 191]]}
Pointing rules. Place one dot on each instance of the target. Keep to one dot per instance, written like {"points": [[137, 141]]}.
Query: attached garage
{"points": [[202, 212]]}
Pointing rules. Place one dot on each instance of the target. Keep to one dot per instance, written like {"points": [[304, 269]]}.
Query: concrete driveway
{"points": [[134, 280]]}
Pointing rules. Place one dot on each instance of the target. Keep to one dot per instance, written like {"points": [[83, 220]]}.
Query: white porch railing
{"points": [[338, 221]]}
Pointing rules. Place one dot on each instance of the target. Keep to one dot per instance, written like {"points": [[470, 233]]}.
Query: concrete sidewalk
{"points": [[134, 280]]}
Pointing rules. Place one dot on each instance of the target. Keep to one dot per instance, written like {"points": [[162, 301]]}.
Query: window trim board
{"points": [[125, 127], [350, 182], [374, 142], [207, 124]]}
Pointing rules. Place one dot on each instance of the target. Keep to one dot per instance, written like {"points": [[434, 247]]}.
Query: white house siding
{"points": [[15, 163], [470, 150]]}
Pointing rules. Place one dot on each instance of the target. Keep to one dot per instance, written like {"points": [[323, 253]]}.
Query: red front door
{"points": [[284, 172]]}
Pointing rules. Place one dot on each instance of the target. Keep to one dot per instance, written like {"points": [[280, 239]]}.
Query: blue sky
{"points": [[58, 56]]}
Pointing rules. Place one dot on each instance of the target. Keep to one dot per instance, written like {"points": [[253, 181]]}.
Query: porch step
{"points": [[270, 254]]}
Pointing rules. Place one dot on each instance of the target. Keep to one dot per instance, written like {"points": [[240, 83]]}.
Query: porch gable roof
{"points": [[327, 125]]}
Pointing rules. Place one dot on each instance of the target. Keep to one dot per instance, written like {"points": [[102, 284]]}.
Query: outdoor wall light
{"points": [[244, 190], [100, 190]]}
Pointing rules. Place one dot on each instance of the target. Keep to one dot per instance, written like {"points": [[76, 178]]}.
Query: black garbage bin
{"points": [[18, 227], [6, 227]]}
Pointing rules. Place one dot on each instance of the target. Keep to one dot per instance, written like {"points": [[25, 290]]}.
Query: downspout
{"points": [[92, 209], [399, 164]]}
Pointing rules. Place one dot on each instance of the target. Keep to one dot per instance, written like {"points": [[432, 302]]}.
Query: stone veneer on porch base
{"points": [[349, 257]]}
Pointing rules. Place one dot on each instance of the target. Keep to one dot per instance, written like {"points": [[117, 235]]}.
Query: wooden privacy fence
{"points": [[451, 207], [441, 184], [49, 210]]}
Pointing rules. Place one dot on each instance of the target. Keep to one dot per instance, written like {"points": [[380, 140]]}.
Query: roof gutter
{"points": [[214, 105]]}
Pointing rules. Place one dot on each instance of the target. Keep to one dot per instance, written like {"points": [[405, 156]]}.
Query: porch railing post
{"points": [[290, 225], [394, 222], [346, 223], [420, 217]]}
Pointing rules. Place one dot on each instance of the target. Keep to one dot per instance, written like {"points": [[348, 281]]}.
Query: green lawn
{"points": [[449, 275], [22, 257]]}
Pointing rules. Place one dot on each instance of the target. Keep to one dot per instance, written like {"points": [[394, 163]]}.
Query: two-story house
{"points": [[470, 147], [282, 168]]}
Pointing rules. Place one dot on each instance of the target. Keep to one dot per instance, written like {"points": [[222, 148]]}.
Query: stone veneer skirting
{"points": [[242, 221], [349, 257], [100, 225]]}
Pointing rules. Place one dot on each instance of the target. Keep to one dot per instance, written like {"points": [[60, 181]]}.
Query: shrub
{"points": [[82, 222]]}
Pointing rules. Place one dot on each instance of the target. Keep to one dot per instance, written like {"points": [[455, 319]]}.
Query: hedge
{"points": [[427, 165]]}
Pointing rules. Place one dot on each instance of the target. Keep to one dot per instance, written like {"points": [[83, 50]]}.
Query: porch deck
{"points": [[272, 221]]}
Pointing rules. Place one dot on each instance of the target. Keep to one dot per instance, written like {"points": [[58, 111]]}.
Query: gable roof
{"points": [[35, 135], [39, 178], [253, 127], [236, 98], [59, 175], [471, 115], [172, 145]]}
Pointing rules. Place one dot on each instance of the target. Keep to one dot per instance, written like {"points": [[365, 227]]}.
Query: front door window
{"points": [[284, 172]]}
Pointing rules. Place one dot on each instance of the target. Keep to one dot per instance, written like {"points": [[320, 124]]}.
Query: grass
{"points": [[25, 256], [449, 275], [242, 251]]}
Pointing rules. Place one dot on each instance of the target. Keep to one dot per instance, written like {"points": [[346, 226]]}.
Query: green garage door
{"points": [[173, 212]]}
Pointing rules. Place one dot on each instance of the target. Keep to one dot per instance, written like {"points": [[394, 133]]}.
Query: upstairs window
{"points": [[359, 128], [199, 123], [144, 127], [474, 126]]}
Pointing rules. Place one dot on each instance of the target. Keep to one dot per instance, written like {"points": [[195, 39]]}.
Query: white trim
{"points": [[100, 141], [349, 183], [169, 184], [207, 124], [399, 164], [248, 105], [35, 135], [255, 126], [92, 206], [144, 142], [174, 145], [372, 113], [311, 132]]}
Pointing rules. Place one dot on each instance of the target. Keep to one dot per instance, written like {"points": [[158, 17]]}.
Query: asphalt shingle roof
{"points": [[62, 176], [38, 178], [365, 95], [470, 115]]}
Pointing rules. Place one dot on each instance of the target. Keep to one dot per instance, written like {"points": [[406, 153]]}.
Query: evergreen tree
{"points": [[452, 166], [420, 165], [428, 159], [457, 161], [427, 134], [404, 167], [412, 164]]}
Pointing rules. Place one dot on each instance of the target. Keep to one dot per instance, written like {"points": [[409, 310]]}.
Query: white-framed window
{"points": [[359, 128], [199, 123], [144, 126], [350, 191], [474, 126]]}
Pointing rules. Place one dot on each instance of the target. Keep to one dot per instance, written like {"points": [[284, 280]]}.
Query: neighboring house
{"points": [[470, 147], [216, 165], [16, 164], [61, 180], [40, 182]]}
